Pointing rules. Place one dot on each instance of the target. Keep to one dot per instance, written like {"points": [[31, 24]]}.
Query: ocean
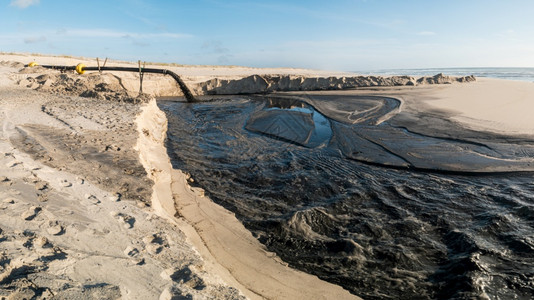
{"points": [[379, 231], [521, 74]]}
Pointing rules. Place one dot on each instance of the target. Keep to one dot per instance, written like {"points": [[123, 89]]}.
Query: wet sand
{"points": [[82, 173]]}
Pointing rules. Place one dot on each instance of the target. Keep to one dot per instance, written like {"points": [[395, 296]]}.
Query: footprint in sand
{"points": [[41, 242], [187, 276], [115, 197], [126, 220], [41, 185], [31, 213], [65, 183], [54, 228], [42, 197], [9, 200], [33, 167], [92, 198], [133, 253], [6, 202], [154, 243], [13, 164]]}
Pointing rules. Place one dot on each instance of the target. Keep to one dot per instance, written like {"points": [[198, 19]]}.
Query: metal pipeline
{"points": [[81, 68]]}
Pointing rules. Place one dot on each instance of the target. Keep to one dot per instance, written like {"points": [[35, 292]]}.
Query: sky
{"points": [[341, 35]]}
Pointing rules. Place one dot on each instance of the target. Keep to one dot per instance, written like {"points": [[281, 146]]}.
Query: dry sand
{"points": [[73, 213], [490, 104], [91, 208]]}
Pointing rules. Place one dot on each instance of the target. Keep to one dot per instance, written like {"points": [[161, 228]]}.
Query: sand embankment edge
{"points": [[229, 250], [152, 128]]}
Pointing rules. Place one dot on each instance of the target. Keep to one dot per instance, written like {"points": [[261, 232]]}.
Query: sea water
{"points": [[521, 74], [379, 232]]}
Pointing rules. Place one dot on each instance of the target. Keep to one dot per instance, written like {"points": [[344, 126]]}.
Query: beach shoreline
{"points": [[218, 257]]}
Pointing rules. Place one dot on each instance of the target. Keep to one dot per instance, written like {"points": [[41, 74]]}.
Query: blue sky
{"points": [[346, 35]]}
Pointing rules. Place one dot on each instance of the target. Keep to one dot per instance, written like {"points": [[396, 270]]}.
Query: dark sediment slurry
{"points": [[378, 231], [361, 132], [293, 121], [400, 148]]}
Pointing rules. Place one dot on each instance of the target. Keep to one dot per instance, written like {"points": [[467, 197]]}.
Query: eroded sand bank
{"points": [[228, 248]]}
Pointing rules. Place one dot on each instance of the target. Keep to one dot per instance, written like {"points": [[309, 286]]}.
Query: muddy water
{"points": [[378, 209]]}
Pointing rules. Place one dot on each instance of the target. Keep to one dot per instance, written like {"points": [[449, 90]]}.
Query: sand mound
{"points": [[108, 86], [443, 79], [270, 83], [100, 86], [12, 64]]}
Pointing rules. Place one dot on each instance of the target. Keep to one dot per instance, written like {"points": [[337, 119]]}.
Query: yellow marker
{"points": [[33, 64], [80, 68]]}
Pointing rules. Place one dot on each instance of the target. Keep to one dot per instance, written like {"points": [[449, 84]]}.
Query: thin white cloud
{"points": [[107, 33], [214, 46], [507, 33], [426, 33], [337, 43], [34, 39], [165, 35], [24, 3]]}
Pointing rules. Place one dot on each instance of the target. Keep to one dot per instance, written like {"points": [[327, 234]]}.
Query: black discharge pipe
{"points": [[80, 69]]}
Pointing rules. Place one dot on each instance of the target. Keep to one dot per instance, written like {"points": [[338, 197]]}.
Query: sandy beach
{"points": [[91, 207]]}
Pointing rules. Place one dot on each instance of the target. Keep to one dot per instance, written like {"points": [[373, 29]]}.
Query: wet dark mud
{"points": [[358, 196]]}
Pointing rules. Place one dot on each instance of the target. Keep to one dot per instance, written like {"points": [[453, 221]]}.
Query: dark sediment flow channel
{"points": [[337, 186]]}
